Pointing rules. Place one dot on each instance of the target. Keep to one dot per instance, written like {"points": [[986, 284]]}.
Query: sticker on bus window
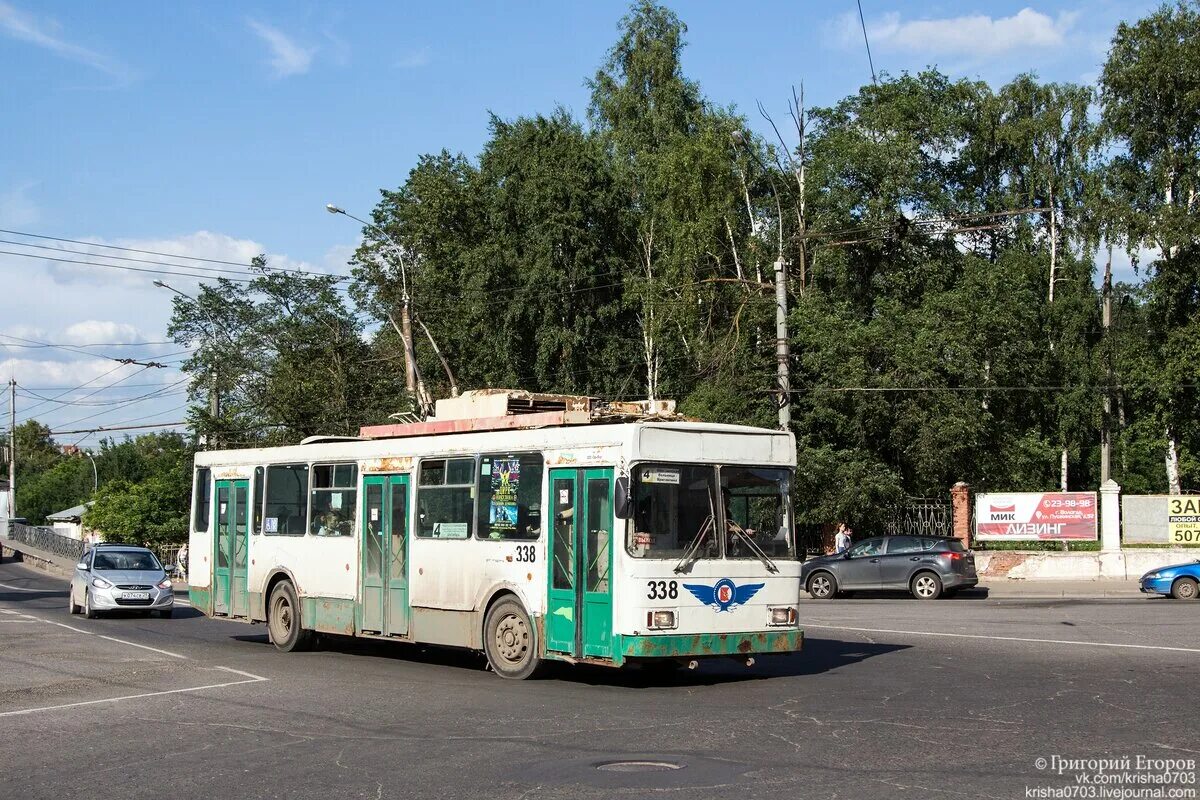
{"points": [[660, 475], [374, 515], [222, 510], [271, 525], [641, 539], [450, 530], [564, 497], [335, 501], [485, 468]]}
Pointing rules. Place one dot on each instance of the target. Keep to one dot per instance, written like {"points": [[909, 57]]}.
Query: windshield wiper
{"points": [[737, 531], [690, 552]]}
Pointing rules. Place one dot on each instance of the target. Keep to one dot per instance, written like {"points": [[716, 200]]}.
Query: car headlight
{"points": [[1151, 576], [100, 583], [165, 583]]}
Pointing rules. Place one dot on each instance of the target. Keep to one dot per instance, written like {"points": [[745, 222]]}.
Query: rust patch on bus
{"points": [[395, 464]]}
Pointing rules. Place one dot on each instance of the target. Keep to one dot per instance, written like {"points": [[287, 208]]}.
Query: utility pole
{"points": [[12, 448], [782, 349], [1106, 420]]}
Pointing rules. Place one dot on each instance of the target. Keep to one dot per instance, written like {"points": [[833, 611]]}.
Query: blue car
{"points": [[1179, 581]]}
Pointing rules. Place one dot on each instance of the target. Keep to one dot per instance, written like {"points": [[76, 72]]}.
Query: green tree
{"points": [[1150, 91]]}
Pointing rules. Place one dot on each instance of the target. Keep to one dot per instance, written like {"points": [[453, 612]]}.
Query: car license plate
{"points": [[135, 595]]}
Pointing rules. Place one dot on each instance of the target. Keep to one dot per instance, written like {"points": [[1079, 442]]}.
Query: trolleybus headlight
{"points": [[659, 620], [100, 583], [783, 615]]}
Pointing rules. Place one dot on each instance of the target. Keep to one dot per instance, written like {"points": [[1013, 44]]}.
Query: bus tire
{"points": [[510, 640], [283, 620]]}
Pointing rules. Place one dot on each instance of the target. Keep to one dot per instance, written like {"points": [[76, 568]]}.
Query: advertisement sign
{"points": [[1036, 516], [1183, 519]]}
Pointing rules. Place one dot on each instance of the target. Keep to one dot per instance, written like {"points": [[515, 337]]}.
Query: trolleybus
{"points": [[525, 537]]}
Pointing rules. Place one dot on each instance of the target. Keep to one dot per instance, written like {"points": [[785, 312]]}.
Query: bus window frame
{"points": [[419, 487], [309, 528], [207, 496], [307, 494]]}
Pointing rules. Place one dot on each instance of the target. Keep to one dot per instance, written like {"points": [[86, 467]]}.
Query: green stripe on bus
{"points": [[200, 598], [711, 644]]}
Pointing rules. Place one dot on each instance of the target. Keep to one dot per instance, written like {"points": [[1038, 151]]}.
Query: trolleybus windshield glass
{"points": [[674, 511]]}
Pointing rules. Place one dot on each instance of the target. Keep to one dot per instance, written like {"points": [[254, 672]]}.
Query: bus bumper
{"points": [[711, 644]]}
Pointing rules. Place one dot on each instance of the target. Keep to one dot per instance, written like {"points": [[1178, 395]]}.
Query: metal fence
{"points": [[919, 516], [46, 540]]}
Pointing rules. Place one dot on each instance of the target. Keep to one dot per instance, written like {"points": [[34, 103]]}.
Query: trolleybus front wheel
{"points": [[283, 619], [510, 640]]}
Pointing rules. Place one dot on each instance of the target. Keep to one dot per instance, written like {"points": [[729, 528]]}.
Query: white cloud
{"points": [[415, 59], [24, 27], [287, 56], [969, 35], [94, 330]]}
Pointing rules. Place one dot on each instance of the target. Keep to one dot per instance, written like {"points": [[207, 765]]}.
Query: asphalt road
{"points": [[877, 705]]}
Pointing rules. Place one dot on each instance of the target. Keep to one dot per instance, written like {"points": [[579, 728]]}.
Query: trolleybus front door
{"points": [[579, 600], [385, 555], [231, 574]]}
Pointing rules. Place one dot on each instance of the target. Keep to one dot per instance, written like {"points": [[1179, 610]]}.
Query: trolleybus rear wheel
{"points": [[283, 620]]}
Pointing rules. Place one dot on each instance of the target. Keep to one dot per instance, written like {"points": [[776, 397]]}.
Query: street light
{"points": [[412, 374], [214, 395]]}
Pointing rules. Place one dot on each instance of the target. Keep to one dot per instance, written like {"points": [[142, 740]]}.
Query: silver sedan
{"points": [[121, 578]]}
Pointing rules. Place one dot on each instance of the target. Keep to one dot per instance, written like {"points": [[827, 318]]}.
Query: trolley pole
{"points": [[12, 449], [782, 349]]}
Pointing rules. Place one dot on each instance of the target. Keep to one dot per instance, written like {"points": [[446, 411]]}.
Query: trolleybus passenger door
{"points": [[579, 599], [385, 555], [230, 573]]}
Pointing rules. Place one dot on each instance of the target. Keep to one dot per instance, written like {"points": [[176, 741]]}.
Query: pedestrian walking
{"points": [[181, 562]]}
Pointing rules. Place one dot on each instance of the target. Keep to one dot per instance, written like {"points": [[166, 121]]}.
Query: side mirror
{"points": [[623, 501], [81, 565], [168, 568]]}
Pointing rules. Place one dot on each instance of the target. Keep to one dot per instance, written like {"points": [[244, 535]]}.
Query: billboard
{"points": [[1183, 519], [1036, 516]]}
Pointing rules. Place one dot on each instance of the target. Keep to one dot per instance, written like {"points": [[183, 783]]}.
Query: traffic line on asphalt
{"points": [[24, 589], [93, 633], [804, 625], [249, 678]]}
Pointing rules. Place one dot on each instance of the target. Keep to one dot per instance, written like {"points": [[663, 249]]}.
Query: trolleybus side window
{"points": [[446, 498], [287, 500], [510, 496], [203, 495], [256, 508], [334, 499], [674, 508]]}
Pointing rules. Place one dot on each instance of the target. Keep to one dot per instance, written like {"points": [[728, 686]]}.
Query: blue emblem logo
{"points": [[724, 595]]}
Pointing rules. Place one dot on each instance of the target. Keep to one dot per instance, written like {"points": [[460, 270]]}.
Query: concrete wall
{"points": [[1125, 564]]}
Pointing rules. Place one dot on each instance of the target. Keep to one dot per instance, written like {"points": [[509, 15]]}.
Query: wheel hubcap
{"points": [[821, 586], [282, 617], [512, 639], [925, 586], [1187, 590]]}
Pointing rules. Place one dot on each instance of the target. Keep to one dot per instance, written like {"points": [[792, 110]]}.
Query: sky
{"points": [[221, 130]]}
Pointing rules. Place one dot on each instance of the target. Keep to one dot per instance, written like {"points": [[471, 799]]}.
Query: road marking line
{"points": [[23, 589], [1005, 638], [250, 679], [93, 633]]}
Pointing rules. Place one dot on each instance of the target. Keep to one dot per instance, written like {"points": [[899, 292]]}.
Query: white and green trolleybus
{"points": [[570, 535]]}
